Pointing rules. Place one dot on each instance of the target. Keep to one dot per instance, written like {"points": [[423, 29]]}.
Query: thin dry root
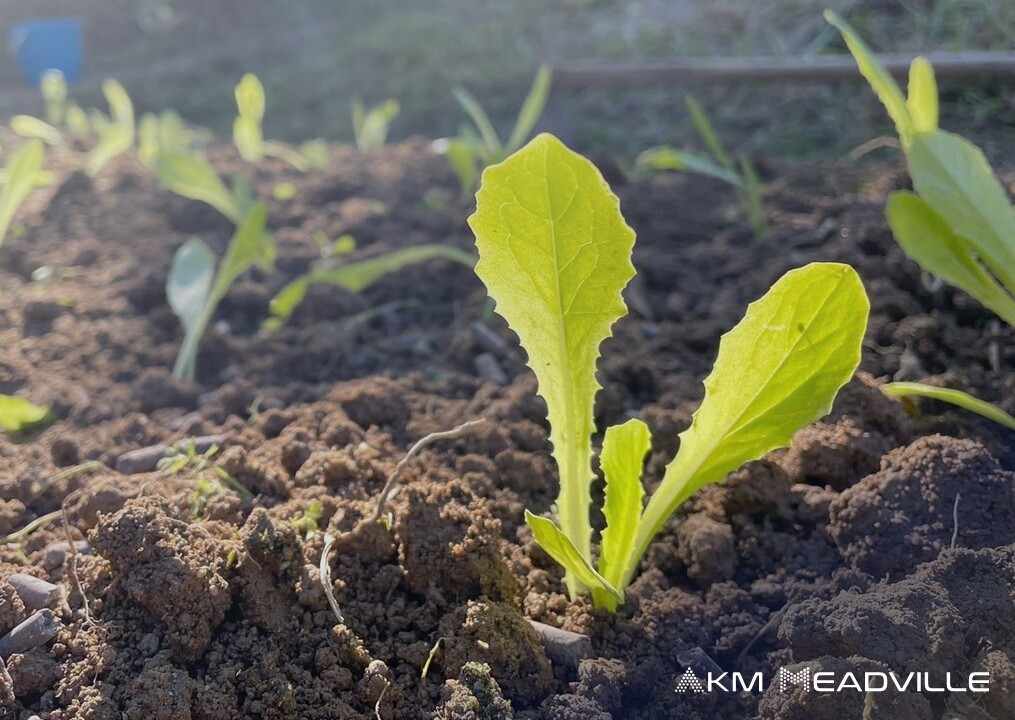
{"points": [[325, 568], [463, 429]]}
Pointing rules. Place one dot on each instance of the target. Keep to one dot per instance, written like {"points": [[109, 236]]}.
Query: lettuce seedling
{"points": [[370, 126], [959, 224], [248, 136], [23, 173], [190, 175], [953, 397], [33, 128], [195, 288], [17, 414], [469, 153], [357, 276], [54, 94], [555, 255], [162, 133], [740, 173], [116, 134]]}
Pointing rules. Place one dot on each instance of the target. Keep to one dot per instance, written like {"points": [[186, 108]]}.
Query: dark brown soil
{"points": [[879, 541]]}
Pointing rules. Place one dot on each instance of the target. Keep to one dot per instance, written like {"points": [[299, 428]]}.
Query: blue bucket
{"points": [[49, 44]]}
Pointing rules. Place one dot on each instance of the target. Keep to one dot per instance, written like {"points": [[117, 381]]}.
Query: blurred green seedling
{"points": [[17, 414], [555, 255], [958, 224], [370, 125], [481, 146], [355, 276], [116, 133], [739, 173], [198, 282], [248, 134]]}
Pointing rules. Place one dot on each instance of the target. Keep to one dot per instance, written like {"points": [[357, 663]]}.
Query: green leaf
{"points": [[31, 127], [250, 98], [77, 121], [955, 397], [113, 142], [463, 161], [922, 102], [555, 255], [248, 139], [18, 414], [371, 127], [777, 370], [121, 109], [928, 240], [250, 246], [531, 110], [54, 94], [247, 134], [286, 154], [668, 158], [356, 277], [557, 545], [189, 281], [704, 127], [622, 458], [193, 177], [148, 144], [952, 175], [482, 121], [23, 169], [881, 81], [752, 194]]}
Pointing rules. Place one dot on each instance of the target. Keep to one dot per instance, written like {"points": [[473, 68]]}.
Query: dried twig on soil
{"points": [[34, 592], [40, 627], [74, 567], [463, 429], [41, 521], [955, 520], [325, 568], [377, 705]]}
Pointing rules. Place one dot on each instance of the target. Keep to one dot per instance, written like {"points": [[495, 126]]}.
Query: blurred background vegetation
{"points": [[314, 56]]}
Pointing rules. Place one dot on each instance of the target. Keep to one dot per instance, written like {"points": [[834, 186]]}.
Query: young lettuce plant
{"points": [[116, 133], [370, 126], [469, 153], [959, 223], [555, 255], [248, 135], [21, 176], [195, 287], [190, 175], [740, 174], [356, 276]]}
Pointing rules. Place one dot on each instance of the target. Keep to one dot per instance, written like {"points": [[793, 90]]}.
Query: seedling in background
{"points": [[22, 175], [959, 224], [18, 414], [370, 127], [356, 276], [469, 153], [740, 173], [162, 133], [555, 254], [116, 134], [195, 288], [248, 136], [191, 176]]}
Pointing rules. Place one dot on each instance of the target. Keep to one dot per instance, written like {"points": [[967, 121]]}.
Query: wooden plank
{"points": [[818, 68]]}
